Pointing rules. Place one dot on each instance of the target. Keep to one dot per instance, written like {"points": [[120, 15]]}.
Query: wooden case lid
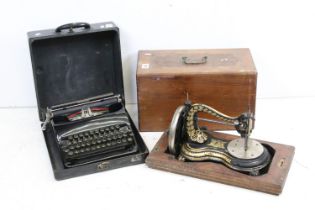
{"points": [[186, 62]]}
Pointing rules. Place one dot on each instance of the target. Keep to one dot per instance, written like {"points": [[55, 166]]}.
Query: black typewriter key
{"points": [[102, 130], [96, 131], [119, 136], [125, 135], [83, 145], [75, 136], [131, 134], [98, 147], [124, 140], [70, 137], [70, 153], [66, 150], [91, 132], [93, 142], [108, 144], [71, 147], [74, 142], [112, 127], [77, 146], [81, 150], [129, 139], [86, 133], [87, 149], [93, 148], [109, 139], [80, 134], [79, 140], [118, 141], [114, 137]]}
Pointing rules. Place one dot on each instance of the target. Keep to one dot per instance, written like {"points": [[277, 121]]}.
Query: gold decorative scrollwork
{"points": [[196, 134]]}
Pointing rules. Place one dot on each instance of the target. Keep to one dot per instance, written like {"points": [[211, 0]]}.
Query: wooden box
{"points": [[272, 182], [222, 78]]}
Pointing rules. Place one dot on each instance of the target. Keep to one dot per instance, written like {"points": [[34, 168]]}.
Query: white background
{"points": [[279, 33]]}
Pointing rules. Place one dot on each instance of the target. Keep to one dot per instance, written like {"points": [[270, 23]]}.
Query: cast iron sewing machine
{"points": [[189, 142]]}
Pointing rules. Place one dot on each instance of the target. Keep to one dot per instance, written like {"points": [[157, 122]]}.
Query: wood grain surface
{"points": [[226, 81], [272, 182]]}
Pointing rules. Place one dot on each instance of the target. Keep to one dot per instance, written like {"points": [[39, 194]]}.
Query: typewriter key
{"points": [[129, 139], [70, 153], [124, 140]]}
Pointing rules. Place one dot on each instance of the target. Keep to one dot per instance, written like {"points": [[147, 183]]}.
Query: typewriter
{"points": [[78, 79], [90, 132]]}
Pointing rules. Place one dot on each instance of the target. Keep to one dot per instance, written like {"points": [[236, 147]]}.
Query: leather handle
{"points": [[187, 60], [71, 26]]}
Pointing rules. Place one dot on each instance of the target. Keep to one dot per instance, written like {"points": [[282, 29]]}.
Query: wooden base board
{"points": [[271, 182]]}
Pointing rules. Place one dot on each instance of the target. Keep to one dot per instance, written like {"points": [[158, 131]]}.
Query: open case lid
{"points": [[76, 62]]}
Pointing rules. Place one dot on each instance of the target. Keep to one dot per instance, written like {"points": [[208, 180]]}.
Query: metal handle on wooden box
{"points": [[187, 60], [71, 26]]}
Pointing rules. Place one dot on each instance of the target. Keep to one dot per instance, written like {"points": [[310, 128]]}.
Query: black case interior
{"points": [[76, 63]]}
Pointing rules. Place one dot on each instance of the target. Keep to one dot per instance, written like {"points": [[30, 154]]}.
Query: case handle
{"points": [[187, 60], [71, 26]]}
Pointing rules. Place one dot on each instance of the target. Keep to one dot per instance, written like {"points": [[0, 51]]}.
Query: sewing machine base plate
{"points": [[272, 182]]}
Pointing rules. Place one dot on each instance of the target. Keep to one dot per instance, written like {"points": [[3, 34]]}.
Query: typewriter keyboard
{"points": [[102, 141]]}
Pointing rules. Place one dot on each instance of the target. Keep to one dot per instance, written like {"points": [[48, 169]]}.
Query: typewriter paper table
{"points": [[26, 179]]}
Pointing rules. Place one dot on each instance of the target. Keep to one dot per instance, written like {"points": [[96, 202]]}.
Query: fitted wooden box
{"points": [[222, 78]]}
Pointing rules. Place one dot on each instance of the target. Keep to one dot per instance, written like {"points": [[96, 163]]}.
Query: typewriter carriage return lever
{"points": [[188, 142]]}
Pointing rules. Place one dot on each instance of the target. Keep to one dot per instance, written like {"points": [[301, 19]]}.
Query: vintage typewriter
{"points": [[80, 96], [189, 142], [89, 132]]}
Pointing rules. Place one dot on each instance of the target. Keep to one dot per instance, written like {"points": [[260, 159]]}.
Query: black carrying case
{"points": [[74, 65]]}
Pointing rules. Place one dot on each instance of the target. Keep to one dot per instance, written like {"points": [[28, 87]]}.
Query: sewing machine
{"points": [[189, 142]]}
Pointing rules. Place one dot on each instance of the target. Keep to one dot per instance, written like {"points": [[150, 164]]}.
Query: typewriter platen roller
{"points": [[189, 142]]}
